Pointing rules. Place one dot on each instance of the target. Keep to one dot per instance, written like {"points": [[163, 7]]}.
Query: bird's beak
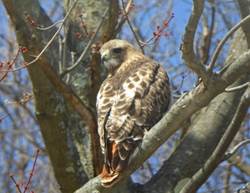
{"points": [[105, 56]]}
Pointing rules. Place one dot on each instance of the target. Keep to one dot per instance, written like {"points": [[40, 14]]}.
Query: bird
{"points": [[134, 96]]}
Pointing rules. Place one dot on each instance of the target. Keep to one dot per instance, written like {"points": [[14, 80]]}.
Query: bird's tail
{"points": [[108, 178], [115, 162]]}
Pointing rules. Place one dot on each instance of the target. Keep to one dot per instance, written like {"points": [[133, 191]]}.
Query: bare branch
{"points": [[49, 27], [237, 87], [16, 184], [223, 41], [187, 48], [32, 172], [235, 149], [241, 165], [131, 27], [120, 24], [207, 36]]}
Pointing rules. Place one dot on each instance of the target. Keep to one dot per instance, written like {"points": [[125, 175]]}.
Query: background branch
{"points": [[223, 41], [187, 48], [235, 149]]}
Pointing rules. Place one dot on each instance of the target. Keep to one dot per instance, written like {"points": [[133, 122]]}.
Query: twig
{"points": [[176, 89], [30, 176], [187, 47], [235, 149], [237, 87], [85, 51], [32, 172], [48, 44], [120, 24], [84, 25], [223, 41], [16, 184], [201, 176], [49, 27], [3, 117], [60, 47], [158, 33], [10, 65], [131, 27]]}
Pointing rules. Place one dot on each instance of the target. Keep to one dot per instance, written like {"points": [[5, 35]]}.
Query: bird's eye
{"points": [[117, 50]]}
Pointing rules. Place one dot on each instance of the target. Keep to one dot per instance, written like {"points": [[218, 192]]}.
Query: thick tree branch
{"points": [[187, 48], [205, 130], [70, 96], [201, 176]]}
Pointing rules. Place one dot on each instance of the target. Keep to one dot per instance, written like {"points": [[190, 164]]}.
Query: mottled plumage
{"points": [[134, 96]]}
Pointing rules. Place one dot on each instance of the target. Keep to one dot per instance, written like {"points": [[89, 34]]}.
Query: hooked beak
{"points": [[104, 57]]}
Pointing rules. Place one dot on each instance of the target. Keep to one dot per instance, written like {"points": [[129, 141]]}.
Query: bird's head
{"points": [[114, 52]]}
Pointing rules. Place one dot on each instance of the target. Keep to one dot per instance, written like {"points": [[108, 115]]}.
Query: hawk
{"points": [[133, 97]]}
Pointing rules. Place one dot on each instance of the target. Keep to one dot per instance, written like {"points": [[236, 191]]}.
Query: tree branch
{"points": [[241, 165], [123, 19], [137, 38], [223, 41], [235, 149], [187, 48], [201, 176], [242, 86], [207, 35]]}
